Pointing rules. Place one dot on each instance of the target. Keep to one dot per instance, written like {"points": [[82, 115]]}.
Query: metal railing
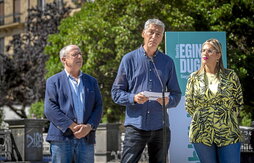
{"points": [[6, 145], [248, 139], [16, 18]]}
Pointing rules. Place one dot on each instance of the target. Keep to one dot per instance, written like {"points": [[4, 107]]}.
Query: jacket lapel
{"points": [[84, 81], [67, 91]]}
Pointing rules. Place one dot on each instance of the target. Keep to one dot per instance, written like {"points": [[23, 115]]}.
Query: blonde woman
{"points": [[214, 99]]}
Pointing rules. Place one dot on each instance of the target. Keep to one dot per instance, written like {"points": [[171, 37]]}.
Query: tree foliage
{"points": [[106, 30], [37, 110], [23, 67], [236, 18]]}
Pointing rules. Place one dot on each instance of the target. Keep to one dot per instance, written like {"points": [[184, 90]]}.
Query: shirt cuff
{"points": [[131, 98]]}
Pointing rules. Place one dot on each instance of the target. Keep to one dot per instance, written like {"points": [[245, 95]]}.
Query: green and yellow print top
{"points": [[214, 116]]}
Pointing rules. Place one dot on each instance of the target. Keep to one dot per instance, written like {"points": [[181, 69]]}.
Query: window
{"points": [[1, 12], [16, 11]]}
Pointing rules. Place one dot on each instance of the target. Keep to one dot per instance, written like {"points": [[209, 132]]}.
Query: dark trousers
{"points": [[135, 141]]}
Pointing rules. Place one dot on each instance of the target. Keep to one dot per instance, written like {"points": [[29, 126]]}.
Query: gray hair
{"points": [[65, 50], [154, 21]]}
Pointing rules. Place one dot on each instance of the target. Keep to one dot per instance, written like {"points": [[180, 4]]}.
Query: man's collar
{"points": [[68, 75], [144, 52]]}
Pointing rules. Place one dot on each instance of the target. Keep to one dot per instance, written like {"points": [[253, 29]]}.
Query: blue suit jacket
{"points": [[59, 107]]}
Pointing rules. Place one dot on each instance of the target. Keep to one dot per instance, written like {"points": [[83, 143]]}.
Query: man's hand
{"points": [[82, 130], [72, 127], [140, 98], [160, 100]]}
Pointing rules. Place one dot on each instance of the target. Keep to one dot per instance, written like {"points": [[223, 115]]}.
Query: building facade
{"points": [[13, 14]]}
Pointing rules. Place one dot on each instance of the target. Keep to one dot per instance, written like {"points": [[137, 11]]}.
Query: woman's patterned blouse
{"points": [[214, 116]]}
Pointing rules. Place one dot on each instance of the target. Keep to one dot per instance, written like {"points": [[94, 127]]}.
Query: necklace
{"points": [[212, 78]]}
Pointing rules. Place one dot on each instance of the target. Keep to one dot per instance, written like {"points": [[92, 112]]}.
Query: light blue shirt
{"points": [[78, 96]]}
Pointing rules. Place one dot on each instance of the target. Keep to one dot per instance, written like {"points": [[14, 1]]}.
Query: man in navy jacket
{"points": [[73, 105]]}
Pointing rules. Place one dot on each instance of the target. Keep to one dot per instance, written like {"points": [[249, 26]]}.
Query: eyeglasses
{"points": [[209, 51], [75, 55]]}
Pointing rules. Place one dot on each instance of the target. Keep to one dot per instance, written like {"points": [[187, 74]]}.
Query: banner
{"points": [[184, 48]]}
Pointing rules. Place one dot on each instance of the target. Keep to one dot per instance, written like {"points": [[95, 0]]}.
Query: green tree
{"points": [[236, 18], [106, 30], [22, 71], [36, 110]]}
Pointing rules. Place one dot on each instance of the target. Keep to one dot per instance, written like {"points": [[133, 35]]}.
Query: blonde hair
{"points": [[217, 46]]}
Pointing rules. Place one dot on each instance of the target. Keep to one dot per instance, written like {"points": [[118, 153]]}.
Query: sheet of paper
{"points": [[154, 95]]}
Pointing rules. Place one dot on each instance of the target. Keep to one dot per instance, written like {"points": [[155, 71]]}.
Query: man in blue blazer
{"points": [[73, 105]]}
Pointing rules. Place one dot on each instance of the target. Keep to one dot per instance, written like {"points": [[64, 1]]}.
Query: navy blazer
{"points": [[59, 107]]}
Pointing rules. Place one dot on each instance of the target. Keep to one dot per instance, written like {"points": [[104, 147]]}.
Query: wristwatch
{"points": [[92, 126]]}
